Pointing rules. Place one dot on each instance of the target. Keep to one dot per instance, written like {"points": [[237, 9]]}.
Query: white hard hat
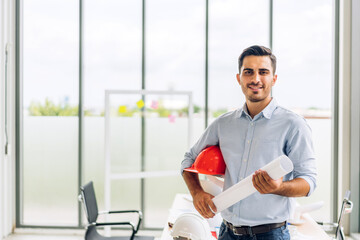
{"points": [[191, 226]]}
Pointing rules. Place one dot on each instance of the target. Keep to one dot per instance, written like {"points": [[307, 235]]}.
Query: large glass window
{"points": [[49, 113], [112, 60], [175, 56], [153, 137], [233, 26], [303, 46]]}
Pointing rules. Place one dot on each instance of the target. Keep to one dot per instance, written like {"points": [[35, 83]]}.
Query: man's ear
{"points": [[238, 78], [274, 80]]}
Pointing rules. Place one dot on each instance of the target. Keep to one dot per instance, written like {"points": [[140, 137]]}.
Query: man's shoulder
{"points": [[289, 115]]}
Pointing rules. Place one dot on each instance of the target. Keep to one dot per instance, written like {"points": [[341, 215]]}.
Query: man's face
{"points": [[256, 78]]}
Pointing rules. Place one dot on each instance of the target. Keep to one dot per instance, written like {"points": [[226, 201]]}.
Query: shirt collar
{"points": [[266, 112]]}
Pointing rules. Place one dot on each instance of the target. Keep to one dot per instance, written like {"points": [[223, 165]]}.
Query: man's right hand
{"points": [[202, 200], [204, 205]]}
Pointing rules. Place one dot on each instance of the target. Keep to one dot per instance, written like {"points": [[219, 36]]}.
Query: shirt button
{"points": [[248, 141], [245, 160], [252, 124]]}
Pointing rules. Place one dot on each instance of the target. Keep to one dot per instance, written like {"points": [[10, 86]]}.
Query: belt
{"points": [[247, 230]]}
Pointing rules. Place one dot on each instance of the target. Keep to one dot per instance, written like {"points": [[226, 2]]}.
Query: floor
{"points": [[46, 234]]}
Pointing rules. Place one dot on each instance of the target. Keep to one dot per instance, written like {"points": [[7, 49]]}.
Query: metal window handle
{"points": [[6, 98], [349, 209]]}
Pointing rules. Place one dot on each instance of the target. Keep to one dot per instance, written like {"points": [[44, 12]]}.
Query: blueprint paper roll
{"points": [[210, 187], [276, 169], [216, 181]]}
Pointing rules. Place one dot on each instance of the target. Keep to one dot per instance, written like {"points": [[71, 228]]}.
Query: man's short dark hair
{"points": [[257, 50]]}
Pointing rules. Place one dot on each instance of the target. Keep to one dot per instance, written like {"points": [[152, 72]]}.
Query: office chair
{"points": [[88, 199]]}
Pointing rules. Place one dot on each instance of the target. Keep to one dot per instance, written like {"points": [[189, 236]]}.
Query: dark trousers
{"points": [[281, 233]]}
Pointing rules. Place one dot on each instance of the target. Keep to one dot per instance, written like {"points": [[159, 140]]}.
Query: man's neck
{"points": [[254, 108]]}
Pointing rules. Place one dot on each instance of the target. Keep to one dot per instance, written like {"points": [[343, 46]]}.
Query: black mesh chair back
{"points": [[91, 208], [88, 199]]}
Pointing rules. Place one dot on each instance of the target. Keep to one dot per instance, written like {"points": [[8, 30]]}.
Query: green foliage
{"points": [[184, 111], [218, 112], [163, 112], [51, 109], [128, 113], [160, 110]]}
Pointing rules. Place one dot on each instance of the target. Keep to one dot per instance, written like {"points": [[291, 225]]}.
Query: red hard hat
{"points": [[210, 161]]}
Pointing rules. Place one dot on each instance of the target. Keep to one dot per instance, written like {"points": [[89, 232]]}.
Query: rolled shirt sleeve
{"points": [[301, 151], [208, 138]]}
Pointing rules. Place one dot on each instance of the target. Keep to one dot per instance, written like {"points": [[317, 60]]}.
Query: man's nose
{"points": [[256, 78]]}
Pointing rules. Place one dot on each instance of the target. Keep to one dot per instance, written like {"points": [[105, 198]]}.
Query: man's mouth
{"points": [[255, 88]]}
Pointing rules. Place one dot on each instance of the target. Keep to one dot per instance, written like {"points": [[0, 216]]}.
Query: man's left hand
{"points": [[264, 183]]}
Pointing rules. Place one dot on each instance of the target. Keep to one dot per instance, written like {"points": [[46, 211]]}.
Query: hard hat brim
{"points": [[192, 169]]}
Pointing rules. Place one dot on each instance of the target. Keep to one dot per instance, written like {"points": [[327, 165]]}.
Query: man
{"points": [[249, 138]]}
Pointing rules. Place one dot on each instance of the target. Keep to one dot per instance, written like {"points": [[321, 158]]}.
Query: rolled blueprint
{"points": [[216, 181], [276, 169]]}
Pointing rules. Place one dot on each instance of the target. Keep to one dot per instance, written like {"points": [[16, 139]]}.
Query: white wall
{"points": [[7, 161]]}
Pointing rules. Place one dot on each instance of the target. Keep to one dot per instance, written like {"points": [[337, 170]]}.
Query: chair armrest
{"points": [[115, 223], [127, 211], [119, 223], [122, 211]]}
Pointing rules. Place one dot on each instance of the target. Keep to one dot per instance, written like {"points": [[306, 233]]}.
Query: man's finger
{"points": [[265, 182], [204, 208], [262, 184], [200, 207], [256, 183], [212, 207], [266, 176]]}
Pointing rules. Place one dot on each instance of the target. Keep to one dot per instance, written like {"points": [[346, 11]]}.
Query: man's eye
{"points": [[247, 72]]}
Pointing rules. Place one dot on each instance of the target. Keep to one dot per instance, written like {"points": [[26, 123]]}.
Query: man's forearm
{"points": [[264, 184], [192, 181], [297, 187]]}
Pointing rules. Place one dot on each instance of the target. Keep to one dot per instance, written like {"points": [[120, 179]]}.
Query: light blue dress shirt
{"points": [[247, 145]]}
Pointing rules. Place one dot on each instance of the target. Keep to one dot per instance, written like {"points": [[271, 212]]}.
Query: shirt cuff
{"points": [[186, 163], [311, 183]]}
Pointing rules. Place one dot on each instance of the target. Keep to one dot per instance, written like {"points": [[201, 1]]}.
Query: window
{"points": [[233, 26], [112, 60], [49, 113], [175, 47], [173, 58], [303, 46]]}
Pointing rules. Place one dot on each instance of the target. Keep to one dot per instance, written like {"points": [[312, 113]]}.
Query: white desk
{"points": [[183, 203], [311, 229]]}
